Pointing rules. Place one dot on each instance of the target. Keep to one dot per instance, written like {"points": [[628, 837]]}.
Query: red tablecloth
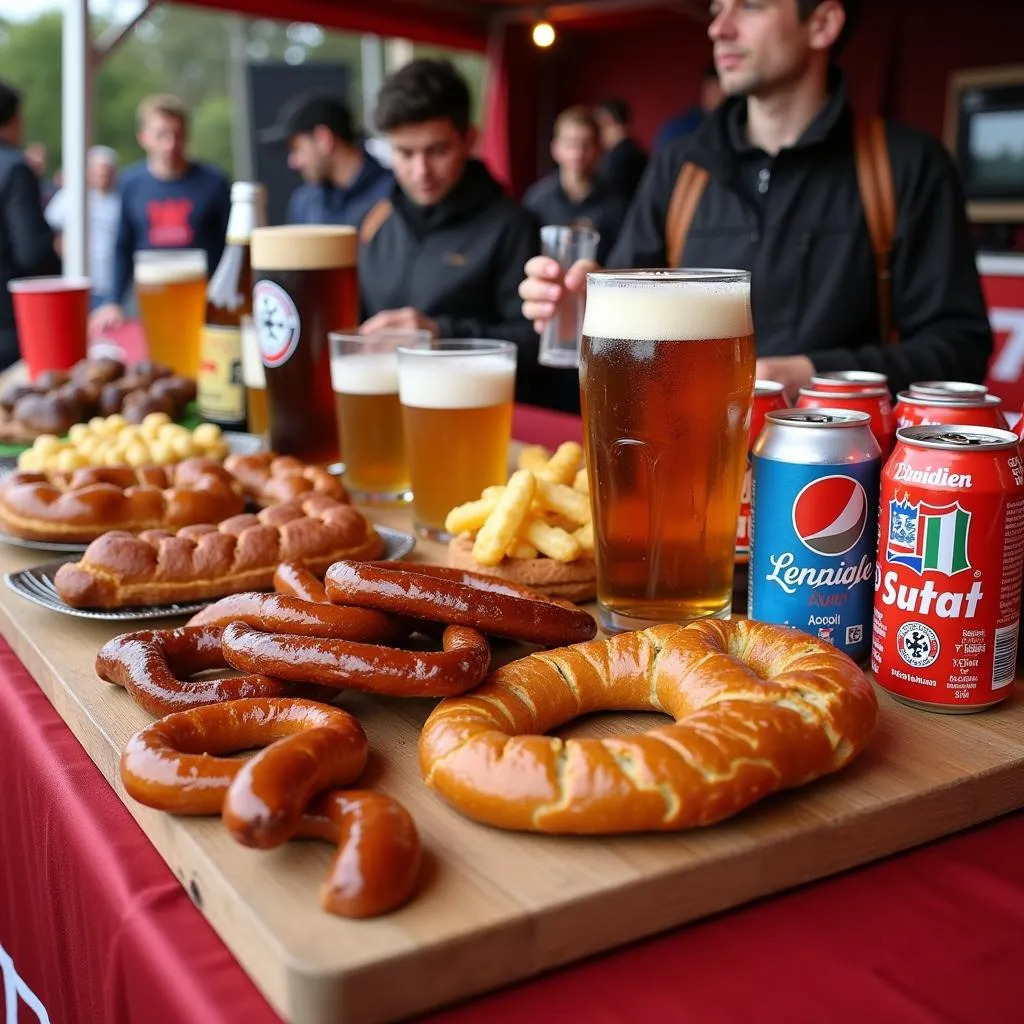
{"points": [[96, 926]]}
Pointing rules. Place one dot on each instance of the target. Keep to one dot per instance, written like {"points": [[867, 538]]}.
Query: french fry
{"points": [[551, 541], [521, 549], [585, 537], [492, 493], [582, 481], [562, 466], [563, 500], [533, 457], [468, 518], [503, 523]]}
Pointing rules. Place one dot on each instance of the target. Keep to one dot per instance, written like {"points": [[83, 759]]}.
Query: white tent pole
{"points": [[76, 130]]}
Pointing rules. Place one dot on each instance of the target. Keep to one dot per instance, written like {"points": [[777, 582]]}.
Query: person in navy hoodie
{"points": [[167, 202], [342, 182]]}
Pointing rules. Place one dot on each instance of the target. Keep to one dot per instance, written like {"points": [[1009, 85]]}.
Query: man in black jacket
{"points": [[26, 242], [782, 200], [446, 250]]}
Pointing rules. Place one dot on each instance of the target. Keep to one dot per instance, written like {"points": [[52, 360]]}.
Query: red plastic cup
{"points": [[52, 318]]}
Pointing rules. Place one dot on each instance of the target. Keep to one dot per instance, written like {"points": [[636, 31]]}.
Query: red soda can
{"points": [[948, 575], [849, 380], [921, 410], [769, 395], [874, 401], [953, 390]]}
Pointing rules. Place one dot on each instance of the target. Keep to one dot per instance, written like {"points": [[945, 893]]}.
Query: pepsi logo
{"points": [[829, 515]]}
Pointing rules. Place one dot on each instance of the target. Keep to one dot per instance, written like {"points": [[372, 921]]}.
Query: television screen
{"points": [[995, 151], [990, 140]]}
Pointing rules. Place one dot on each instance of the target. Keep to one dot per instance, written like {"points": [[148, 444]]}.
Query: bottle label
{"points": [[277, 323], [221, 390]]}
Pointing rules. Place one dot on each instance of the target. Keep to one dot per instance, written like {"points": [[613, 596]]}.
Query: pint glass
{"points": [[457, 401], [364, 372], [666, 382], [170, 286], [305, 287]]}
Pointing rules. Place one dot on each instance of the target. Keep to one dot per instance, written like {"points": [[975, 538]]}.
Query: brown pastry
{"points": [[102, 370], [11, 394], [49, 380], [268, 478], [53, 413], [572, 581], [206, 561], [179, 390], [139, 404]]}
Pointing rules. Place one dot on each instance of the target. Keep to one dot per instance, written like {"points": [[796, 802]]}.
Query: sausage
{"points": [[378, 861], [462, 664], [154, 665], [277, 613], [292, 579], [177, 763], [461, 598]]}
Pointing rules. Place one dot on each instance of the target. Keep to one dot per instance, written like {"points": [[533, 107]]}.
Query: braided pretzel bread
{"points": [[154, 666], [79, 506], [205, 561], [758, 708], [176, 764], [268, 478]]}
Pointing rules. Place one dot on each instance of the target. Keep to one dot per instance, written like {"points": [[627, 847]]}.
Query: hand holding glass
{"points": [[560, 340]]}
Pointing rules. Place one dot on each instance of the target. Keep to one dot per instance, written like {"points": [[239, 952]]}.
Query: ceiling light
{"points": [[543, 34]]}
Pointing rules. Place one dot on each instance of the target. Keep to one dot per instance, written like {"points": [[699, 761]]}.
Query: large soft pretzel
{"points": [[758, 708]]}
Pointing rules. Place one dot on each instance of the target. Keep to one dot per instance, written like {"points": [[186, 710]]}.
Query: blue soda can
{"points": [[814, 525]]}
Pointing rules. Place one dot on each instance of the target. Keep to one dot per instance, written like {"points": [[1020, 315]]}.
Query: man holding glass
{"points": [[443, 253], [779, 196], [167, 202]]}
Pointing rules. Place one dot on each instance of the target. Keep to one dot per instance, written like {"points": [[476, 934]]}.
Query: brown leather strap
{"points": [[685, 199], [372, 222], [878, 196]]}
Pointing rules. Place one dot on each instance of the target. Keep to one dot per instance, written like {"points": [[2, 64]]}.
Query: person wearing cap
{"points": [[443, 253], [169, 201], [104, 205], [26, 241], [781, 197], [342, 180]]}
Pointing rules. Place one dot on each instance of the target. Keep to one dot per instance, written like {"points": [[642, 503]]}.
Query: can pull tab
{"points": [[961, 440]]}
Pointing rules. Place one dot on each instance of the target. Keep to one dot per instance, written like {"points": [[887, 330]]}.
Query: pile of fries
{"points": [[543, 510]]}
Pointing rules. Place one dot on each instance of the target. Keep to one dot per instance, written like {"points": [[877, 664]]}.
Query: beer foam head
{"points": [[304, 247], [369, 373], [456, 381], [169, 266], [664, 306]]}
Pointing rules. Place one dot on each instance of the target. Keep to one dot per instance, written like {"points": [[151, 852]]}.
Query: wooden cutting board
{"points": [[495, 907]]}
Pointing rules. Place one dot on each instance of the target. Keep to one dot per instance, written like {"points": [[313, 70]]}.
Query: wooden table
{"points": [[497, 906]]}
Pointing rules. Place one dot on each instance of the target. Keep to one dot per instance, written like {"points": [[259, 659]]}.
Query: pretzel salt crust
{"points": [[758, 708]]}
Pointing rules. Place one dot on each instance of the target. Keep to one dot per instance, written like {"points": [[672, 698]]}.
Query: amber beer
{"points": [[170, 286], [255, 379], [364, 372], [306, 286], [666, 379], [457, 408]]}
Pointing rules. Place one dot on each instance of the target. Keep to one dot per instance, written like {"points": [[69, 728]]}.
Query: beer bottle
{"points": [[221, 388]]}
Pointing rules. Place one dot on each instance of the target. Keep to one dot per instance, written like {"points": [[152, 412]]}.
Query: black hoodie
{"points": [[796, 221], [458, 262]]}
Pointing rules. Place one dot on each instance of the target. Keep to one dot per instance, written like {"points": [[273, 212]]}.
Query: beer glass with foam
{"points": [[364, 373], [170, 287], [305, 287], [666, 382], [457, 398]]}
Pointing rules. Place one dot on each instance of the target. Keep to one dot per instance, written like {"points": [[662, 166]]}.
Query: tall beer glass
{"points": [[364, 372], [170, 286], [457, 398], [666, 379], [305, 287]]}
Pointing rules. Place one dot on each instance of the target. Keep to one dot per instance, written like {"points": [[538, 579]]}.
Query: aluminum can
{"points": [[921, 410], [814, 525], [951, 390], [769, 395], [849, 380], [874, 401], [948, 585]]}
